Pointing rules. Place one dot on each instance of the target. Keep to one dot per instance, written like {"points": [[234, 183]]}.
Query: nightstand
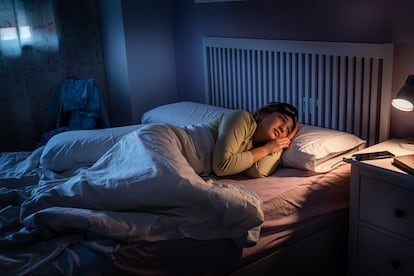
{"points": [[381, 221]]}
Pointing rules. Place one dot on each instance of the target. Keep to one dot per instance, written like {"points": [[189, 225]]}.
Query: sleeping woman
{"points": [[235, 142], [253, 144]]}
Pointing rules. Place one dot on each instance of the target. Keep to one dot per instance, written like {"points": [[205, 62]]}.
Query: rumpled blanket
{"points": [[143, 188]]}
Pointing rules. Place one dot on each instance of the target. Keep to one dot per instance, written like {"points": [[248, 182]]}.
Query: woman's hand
{"points": [[274, 146], [270, 147], [277, 145]]}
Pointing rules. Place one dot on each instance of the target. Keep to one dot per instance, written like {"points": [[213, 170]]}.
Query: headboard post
{"points": [[342, 86], [386, 87]]}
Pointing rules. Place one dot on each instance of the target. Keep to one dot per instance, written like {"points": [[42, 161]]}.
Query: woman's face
{"points": [[275, 126]]}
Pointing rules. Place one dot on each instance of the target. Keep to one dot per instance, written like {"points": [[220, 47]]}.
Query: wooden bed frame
{"points": [[323, 252], [342, 86]]}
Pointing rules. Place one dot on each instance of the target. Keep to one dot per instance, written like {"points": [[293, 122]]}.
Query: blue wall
{"points": [[115, 61], [139, 55], [150, 48]]}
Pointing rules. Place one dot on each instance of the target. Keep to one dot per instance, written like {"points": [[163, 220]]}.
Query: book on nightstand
{"points": [[405, 162]]}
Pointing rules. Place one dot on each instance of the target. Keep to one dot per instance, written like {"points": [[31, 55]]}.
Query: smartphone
{"points": [[372, 155]]}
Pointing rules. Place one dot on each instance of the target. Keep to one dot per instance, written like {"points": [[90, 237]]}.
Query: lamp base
{"points": [[407, 143]]}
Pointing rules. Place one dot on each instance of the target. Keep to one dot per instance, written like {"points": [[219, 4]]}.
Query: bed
{"points": [[54, 222]]}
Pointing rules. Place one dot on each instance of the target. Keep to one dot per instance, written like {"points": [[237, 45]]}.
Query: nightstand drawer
{"points": [[387, 206], [383, 255]]}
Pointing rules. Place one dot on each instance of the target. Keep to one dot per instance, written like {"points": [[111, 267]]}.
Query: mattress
{"points": [[296, 203]]}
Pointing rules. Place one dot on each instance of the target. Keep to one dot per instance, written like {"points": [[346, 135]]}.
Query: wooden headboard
{"points": [[342, 86]]}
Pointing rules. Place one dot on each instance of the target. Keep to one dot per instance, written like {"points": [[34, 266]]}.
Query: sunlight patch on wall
{"points": [[27, 24]]}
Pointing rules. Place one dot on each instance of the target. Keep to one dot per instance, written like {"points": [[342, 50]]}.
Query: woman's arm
{"points": [[270, 147], [266, 158], [231, 153]]}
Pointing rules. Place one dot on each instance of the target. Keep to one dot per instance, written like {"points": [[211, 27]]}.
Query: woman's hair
{"points": [[272, 107]]}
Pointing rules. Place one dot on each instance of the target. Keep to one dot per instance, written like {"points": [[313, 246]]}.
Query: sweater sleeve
{"points": [[265, 166], [232, 150]]}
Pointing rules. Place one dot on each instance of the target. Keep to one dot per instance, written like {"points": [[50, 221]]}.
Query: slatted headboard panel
{"points": [[342, 86]]}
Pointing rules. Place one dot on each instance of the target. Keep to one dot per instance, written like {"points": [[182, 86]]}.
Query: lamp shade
{"points": [[405, 98]]}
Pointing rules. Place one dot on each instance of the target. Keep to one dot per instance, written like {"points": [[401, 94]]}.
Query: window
{"points": [[27, 23]]}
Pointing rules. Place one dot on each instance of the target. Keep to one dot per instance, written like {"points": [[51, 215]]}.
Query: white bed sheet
{"points": [[141, 189]]}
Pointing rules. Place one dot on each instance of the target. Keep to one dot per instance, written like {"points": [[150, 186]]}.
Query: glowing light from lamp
{"points": [[405, 97], [403, 105]]}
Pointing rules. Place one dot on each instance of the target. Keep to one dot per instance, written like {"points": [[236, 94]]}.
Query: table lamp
{"points": [[405, 98], [405, 101]]}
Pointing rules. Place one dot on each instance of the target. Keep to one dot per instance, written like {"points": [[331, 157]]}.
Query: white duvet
{"points": [[142, 188]]}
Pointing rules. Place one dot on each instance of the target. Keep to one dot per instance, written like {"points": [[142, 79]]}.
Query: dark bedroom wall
{"points": [[115, 60], [26, 81], [372, 21], [139, 56], [153, 30]]}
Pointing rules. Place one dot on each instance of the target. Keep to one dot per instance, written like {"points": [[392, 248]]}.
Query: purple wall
{"points": [[149, 44], [371, 21]]}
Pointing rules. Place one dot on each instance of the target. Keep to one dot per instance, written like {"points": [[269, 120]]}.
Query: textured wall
{"points": [[26, 81]]}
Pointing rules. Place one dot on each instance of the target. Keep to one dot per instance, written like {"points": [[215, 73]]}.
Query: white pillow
{"points": [[183, 113], [72, 149], [320, 149]]}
